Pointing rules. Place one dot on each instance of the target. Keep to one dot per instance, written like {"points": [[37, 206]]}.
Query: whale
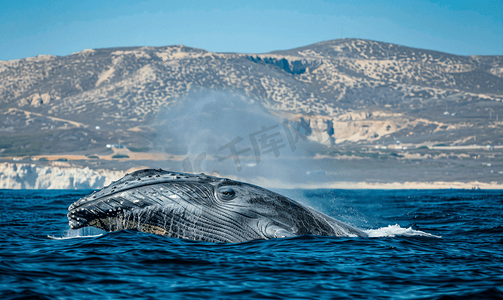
{"points": [[202, 208]]}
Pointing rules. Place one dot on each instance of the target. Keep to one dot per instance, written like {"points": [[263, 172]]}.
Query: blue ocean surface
{"points": [[423, 244]]}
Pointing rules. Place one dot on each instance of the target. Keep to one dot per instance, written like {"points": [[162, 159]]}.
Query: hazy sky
{"points": [[29, 27]]}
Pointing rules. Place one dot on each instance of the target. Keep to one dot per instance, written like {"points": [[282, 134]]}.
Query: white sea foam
{"points": [[394, 230], [72, 237], [86, 232]]}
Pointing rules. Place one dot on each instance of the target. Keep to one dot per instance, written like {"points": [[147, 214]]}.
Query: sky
{"points": [[34, 27]]}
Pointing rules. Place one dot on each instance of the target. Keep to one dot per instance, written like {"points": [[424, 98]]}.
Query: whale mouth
{"points": [[102, 211], [126, 207], [82, 217], [134, 191], [91, 209]]}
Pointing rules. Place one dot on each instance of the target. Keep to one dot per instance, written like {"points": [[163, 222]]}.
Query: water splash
{"points": [[394, 230], [86, 232]]}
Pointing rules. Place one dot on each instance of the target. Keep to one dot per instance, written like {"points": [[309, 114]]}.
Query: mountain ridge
{"points": [[361, 86]]}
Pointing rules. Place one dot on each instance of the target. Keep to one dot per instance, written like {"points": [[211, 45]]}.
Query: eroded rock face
{"points": [[31, 176]]}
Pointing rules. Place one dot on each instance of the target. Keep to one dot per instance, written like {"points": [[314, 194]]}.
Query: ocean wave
{"points": [[394, 230]]}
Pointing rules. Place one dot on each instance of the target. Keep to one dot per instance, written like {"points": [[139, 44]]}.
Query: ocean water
{"points": [[424, 244]]}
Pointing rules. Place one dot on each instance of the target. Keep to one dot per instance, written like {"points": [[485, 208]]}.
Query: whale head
{"points": [[198, 207]]}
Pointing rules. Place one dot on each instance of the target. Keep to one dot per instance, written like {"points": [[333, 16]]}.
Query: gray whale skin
{"points": [[200, 207]]}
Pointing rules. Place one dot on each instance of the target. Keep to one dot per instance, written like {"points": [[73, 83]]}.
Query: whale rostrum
{"points": [[200, 207]]}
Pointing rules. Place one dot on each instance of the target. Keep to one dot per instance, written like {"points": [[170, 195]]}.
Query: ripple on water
{"points": [[422, 245]]}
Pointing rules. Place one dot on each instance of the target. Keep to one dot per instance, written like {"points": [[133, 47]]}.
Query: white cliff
{"points": [[31, 176]]}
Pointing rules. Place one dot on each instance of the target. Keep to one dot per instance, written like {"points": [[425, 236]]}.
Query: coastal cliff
{"points": [[31, 176]]}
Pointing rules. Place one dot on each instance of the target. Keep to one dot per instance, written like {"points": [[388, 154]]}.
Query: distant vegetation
{"points": [[106, 151], [139, 149], [20, 146], [357, 153]]}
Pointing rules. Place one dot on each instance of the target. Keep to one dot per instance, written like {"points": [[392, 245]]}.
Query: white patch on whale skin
{"points": [[394, 230]]}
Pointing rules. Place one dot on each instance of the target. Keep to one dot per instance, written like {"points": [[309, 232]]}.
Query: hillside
{"points": [[367, 91], [373, 111]]}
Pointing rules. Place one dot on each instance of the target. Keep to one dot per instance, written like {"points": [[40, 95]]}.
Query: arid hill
{"points": [[351, 90]]}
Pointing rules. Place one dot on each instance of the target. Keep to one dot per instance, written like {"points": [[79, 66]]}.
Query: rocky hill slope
{"points": [[350, 90]]}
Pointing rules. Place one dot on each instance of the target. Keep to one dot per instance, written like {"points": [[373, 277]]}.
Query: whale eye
{"points": [[227, 193]]}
